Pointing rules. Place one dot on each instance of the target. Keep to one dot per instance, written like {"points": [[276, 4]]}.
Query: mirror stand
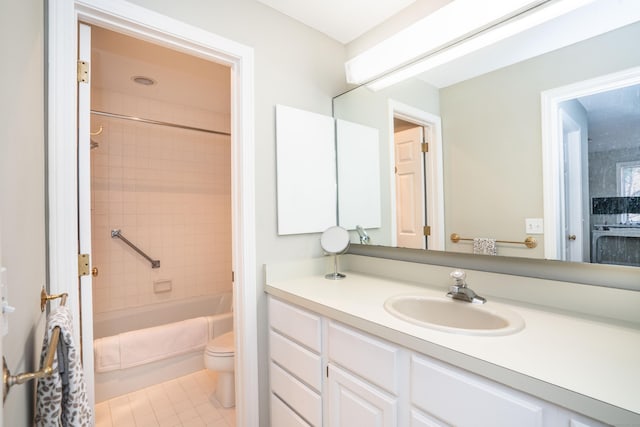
{"points": [[335, 275], [334, 241]]}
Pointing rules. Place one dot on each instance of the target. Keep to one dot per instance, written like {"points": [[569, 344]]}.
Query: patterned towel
{"points": [[62, 397], [484, 246]]}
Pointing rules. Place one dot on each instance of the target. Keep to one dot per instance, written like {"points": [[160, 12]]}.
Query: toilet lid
{"points": [[223, 344]]}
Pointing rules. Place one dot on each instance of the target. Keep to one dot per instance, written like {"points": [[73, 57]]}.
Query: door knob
{"points": [[572, 237], [94, 271]]}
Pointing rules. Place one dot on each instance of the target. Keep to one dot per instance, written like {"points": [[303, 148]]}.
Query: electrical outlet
{"points": [[533, 226]]}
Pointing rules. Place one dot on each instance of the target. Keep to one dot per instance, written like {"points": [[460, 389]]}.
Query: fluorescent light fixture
{"points": [[452, 22], [484, 39]]}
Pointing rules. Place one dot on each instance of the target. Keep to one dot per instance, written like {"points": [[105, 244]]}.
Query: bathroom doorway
{"points": [[63, 126], [590, 132], [412, 228], [161, 237], [416, 181]]}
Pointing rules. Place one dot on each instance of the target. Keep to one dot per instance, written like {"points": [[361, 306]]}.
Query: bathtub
{"points": [[154, 319]]}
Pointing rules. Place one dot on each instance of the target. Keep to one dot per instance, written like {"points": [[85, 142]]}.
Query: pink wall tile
{"points": [[168, 190]]}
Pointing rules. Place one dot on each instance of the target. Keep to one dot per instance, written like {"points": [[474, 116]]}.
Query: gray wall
{"points": [[22, 197], [294, 65]]}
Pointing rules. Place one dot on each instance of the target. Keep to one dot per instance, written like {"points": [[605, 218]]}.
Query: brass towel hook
{"points": [[9, 380], [98, 132], [44, 298]]}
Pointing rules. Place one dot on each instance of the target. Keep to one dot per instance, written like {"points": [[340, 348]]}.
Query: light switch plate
{"points": [[534, 226]]}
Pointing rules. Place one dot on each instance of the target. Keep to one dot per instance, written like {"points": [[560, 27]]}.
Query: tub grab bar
{"points": [[9, 380], [155, 263]]}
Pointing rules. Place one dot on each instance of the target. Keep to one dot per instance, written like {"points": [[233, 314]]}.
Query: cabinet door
{"points": [[353, 402]]}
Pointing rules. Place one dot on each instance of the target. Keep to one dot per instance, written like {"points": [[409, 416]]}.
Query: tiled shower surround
{"points": [[169, 191]]}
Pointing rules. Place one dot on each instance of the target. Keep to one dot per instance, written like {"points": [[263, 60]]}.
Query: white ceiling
{"points": [[342, 20]]}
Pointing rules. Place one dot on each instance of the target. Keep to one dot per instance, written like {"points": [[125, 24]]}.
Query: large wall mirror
{"points": [[542, 145]]}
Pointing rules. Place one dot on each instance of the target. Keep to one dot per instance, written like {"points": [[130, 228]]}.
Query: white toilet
{"points": [[219, 356]]}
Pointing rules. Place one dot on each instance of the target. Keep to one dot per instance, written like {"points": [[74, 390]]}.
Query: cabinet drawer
{"points": [[583, 422], [463, 399], [370, 358], [297, 360], [295, 323], [283, 416], [420, 419], [300, 398]]}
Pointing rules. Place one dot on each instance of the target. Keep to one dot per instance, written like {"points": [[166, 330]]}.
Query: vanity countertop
{"points": [[585, 364]]}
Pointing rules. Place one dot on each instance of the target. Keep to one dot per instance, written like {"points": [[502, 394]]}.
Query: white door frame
{"points": [[84, 208], [433, 166], [124, 17], [552, 148]]}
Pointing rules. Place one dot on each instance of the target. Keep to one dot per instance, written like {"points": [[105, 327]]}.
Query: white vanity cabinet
{"points": [[295, 367], [318, 364]]}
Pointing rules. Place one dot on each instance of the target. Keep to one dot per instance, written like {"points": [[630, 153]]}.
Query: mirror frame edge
{"points": [[603, 275]]}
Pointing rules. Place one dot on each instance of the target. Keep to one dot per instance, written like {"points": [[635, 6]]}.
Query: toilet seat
{"points": [[222, 346]]}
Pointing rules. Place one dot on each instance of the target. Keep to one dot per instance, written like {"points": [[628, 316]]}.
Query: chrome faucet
{"points": [[364, 237], [460, 291]]}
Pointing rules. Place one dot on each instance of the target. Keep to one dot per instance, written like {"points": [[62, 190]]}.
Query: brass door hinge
{"points": [[83, 72], [427, 230], [424, 147], [83, 265]]}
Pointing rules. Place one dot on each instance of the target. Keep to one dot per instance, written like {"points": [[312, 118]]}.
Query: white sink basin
{"points": [[459, 317]]}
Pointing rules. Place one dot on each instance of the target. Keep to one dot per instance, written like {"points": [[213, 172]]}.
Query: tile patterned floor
{"points": [[183, 402]]}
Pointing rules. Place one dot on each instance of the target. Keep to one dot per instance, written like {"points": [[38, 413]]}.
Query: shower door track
{"points": [[157, 122]]}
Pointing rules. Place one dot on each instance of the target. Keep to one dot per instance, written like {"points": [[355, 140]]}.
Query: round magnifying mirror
{"points": [[334, 241]]}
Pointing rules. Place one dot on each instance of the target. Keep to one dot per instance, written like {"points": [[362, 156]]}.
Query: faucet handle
{"points": [[459, 276]]}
